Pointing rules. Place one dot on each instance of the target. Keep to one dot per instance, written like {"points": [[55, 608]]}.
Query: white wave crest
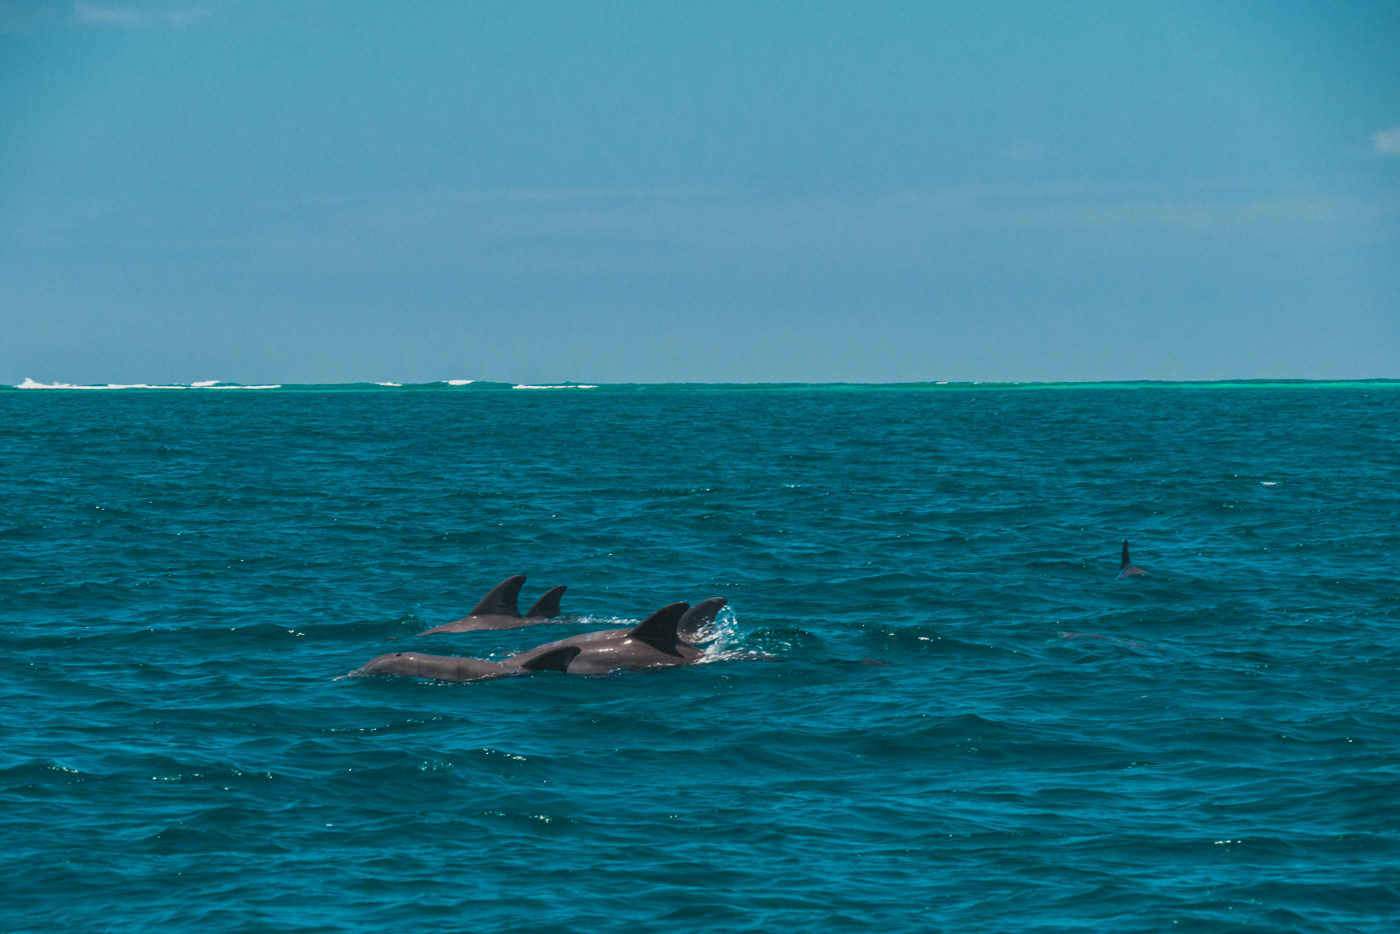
{"points": [[562, 386], [31, 384], [203, 384]]}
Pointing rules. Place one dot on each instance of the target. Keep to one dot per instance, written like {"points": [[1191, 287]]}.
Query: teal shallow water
{"points": [[937, 708]]}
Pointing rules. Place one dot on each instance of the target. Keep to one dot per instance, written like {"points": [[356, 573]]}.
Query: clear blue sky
{"points": [[283, 191]]}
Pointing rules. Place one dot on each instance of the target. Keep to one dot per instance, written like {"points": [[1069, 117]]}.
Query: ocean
{"points": [[931, 705]]}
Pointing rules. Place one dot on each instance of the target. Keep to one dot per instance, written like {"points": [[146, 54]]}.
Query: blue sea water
{"points": [[934, 706]]}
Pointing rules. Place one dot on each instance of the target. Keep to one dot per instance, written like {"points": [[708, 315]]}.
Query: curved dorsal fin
{"points": [[700, 616], [547, 607], [553, 660], [659, 629], [501, 600]]}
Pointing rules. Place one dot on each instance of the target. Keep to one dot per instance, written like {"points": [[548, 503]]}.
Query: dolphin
{"points": [[652, 643], [452, 668], [1126, 568], [1127, 645], [655, 642], [497, 610]]}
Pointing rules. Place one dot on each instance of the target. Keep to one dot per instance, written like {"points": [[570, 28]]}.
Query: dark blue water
{"points": [[935, 707]]}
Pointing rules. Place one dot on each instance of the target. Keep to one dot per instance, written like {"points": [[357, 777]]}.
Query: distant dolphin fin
{"points": [[501, 600], [1125, 567], [547, 607], [699, 616], [659, 629], [553, 660]]}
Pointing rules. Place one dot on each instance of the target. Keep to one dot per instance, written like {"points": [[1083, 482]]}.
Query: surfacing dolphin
{"points": [[497, 610], [1131, 646], [453, 668], [653, 643], [695, 623], [662, 640], [1126, 568]]}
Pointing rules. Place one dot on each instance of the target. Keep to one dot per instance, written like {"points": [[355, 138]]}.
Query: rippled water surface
{"points": [[933, 706]]}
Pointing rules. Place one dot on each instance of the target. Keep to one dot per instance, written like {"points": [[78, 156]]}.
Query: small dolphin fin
{"points": [[659, 629], [553, 660], [1125, 567], [547, 607], [700, 616], [501, 600]]}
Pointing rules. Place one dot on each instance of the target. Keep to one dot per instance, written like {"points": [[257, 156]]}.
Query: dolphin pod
{"points": [[656, 642], [664, 639], [497, 610]]}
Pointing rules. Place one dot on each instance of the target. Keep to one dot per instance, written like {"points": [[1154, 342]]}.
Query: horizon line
{"points": [[478, 385]]}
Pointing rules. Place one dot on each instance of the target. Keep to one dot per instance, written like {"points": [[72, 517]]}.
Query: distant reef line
{"points": [[466, 385]]}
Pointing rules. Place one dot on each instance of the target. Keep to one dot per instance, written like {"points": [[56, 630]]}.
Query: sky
{"points": [[602, 192]]}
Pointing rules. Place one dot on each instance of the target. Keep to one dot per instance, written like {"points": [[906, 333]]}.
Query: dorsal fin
{"points": [[1125, 568], [501, 600], [659, 629], [547, 607], [700, 616], [553, 660]]}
